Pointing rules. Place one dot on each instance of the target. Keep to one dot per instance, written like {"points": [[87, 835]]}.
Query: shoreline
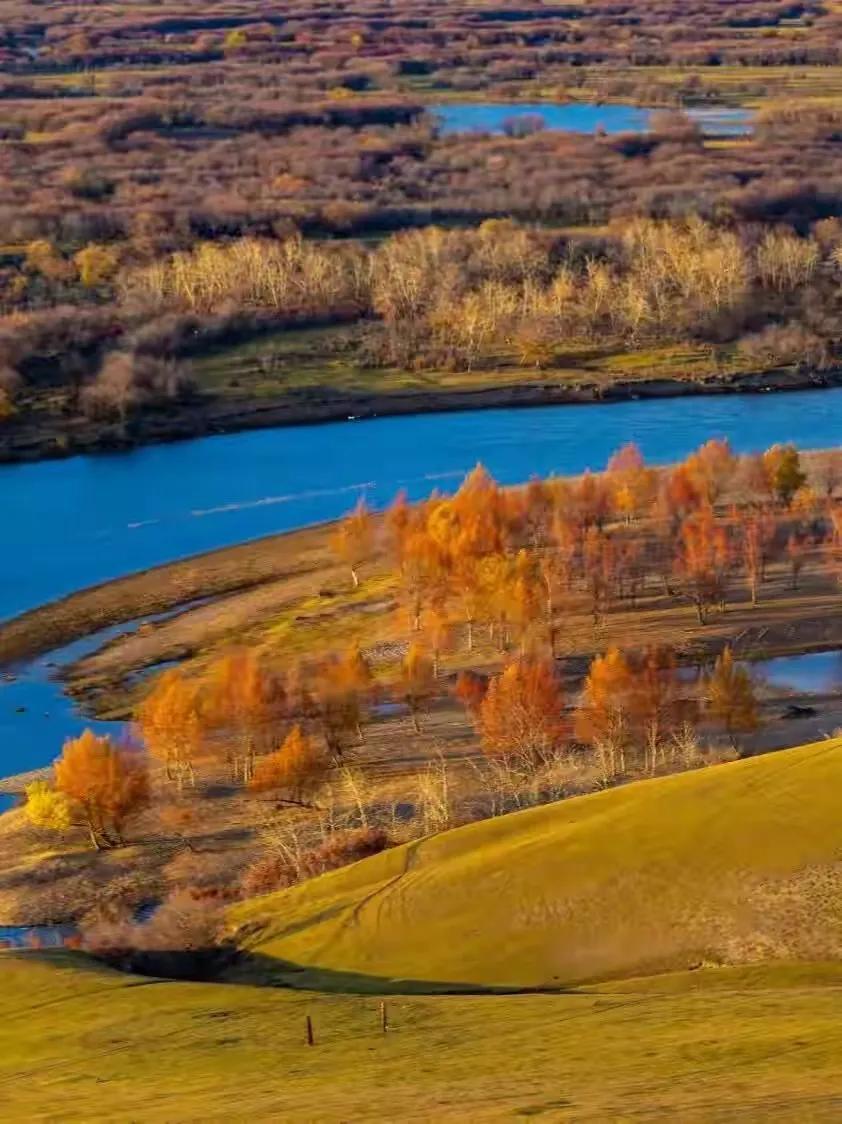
{"points": [[167, 588], [214, 417]]}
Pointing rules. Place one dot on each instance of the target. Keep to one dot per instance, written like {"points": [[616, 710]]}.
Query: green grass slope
{"points": [[79, 1042], [732, 864]]}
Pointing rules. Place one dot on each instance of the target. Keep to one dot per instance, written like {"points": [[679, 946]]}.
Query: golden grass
{"points": [[78, 1042]]}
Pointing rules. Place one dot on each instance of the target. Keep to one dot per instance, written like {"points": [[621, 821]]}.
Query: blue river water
{"points": [[72, 523], [578, 117], [68, 524]]}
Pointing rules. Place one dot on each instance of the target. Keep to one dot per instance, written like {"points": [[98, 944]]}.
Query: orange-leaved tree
{"points": [[417, 682], [660, 707], [679, 494], [522, 596], [423, 574], [470, 690], [438, 632], [712, 468], [703, 560], [632, 483], [339, 691], [757, 533], [104, 783], [296, 769], [604, 717], [245, 709], [353, 539], [522, 719]]}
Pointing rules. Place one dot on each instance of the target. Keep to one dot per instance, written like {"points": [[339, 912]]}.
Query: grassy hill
{"points": [[78, 1042], [727, 865]]}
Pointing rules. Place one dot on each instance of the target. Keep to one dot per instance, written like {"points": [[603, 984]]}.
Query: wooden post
{"points": [[384, 1018], [311, 1041]]}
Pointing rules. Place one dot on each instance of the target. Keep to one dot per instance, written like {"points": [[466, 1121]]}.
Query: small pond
{"points": [[577, 117]]}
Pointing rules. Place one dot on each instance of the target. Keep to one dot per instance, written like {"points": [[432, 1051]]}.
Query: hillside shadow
{"points": [[228, 966], [258, 970]]}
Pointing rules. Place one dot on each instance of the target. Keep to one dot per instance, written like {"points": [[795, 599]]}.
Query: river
{"points": [[68, 524]]}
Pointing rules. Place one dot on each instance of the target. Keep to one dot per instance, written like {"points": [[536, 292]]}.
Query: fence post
{"points": [[311, 1041], [384, 1018]]}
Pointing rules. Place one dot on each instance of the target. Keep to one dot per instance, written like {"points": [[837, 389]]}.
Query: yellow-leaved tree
{"points": [[731, 697], [45, 807], [169, 722]]}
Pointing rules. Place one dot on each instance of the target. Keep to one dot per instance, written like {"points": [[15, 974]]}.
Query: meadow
{"points": [[712, 1045], [758, 1038]]}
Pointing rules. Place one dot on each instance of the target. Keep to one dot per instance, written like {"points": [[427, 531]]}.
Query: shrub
{"points": [[265, 875], [10, 381], [127, 380], [201, 872], [344, 847], [785, 343], [45, 807], [7, 406], [87, 183], [274, 871], [186, 921]]}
